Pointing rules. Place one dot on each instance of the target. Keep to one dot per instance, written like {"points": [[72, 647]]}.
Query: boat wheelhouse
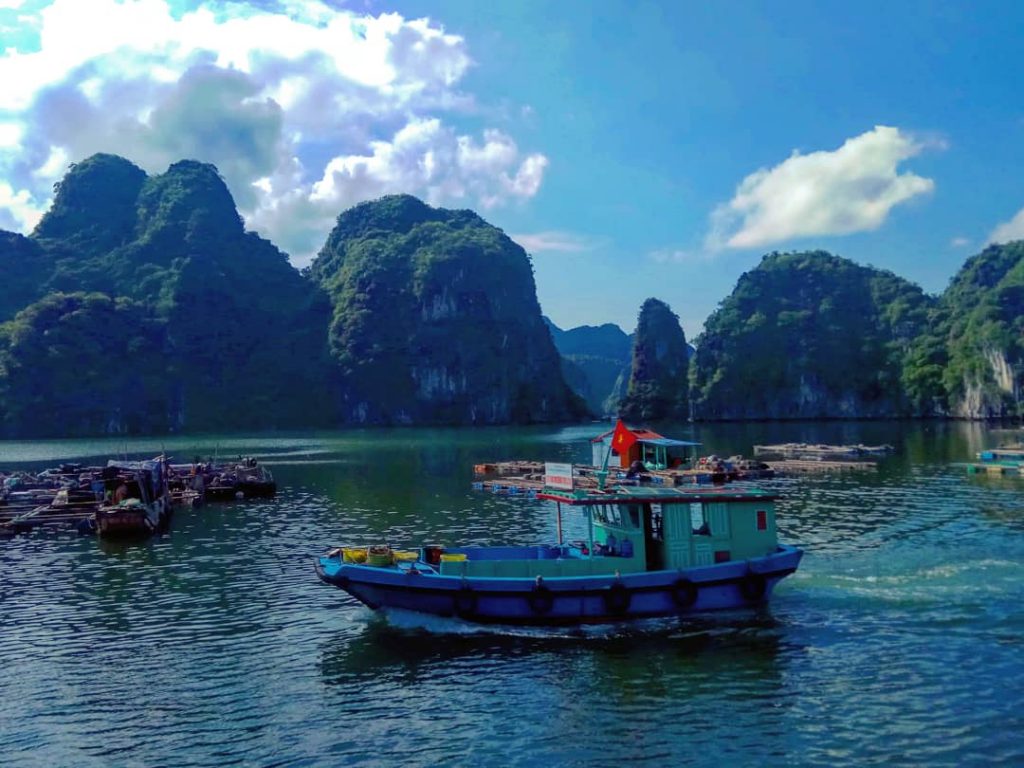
{"points": [[649, 552]]}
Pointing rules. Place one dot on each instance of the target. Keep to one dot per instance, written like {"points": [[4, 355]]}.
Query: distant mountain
{"points": [[594, 360], [608, 341], [659, 374], [812, 335], [436, 320]]}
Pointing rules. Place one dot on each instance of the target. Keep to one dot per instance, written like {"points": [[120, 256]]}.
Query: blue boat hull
{"points": [[565, 600]]}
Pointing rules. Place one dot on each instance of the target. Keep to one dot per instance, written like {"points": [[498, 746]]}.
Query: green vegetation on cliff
{"points": [[83, 364], [436, 320], [658, 380], [245, 334], [23, 266], [812, 335]]}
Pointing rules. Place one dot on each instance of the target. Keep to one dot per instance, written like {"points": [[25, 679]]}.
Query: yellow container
{"points": [[353, 554], [402, 556], [379, 556], [454, 558]]}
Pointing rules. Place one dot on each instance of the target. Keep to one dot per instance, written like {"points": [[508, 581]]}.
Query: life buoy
{"points": [[753, 586], [684, 593], [617, 598], [541, 599], [464, 601]]}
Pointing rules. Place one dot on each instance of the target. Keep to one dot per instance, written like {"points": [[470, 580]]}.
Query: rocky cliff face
{"points": [[810, 335], [983, 330], [436, 320], [658, 381]]}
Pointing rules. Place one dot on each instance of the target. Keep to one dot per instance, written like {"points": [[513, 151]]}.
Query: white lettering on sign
{"points": [[558, 476]]}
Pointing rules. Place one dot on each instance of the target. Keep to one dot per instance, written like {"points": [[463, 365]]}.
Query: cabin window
{"points": [[697, 520], [609, 515], [634, 515], [762, 520]]}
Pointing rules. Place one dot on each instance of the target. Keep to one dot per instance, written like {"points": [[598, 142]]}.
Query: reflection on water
{"points": [[897, 641]]}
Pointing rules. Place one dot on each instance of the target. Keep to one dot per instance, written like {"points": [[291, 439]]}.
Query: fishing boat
{"points": [[140, 502], [246, 479], [649, 552]]}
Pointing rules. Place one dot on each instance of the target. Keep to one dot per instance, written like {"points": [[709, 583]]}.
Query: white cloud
{"points": [[959, 242], [851, 189], [680, 256], [18, 209], [1009, 230], [10, 135], [304, 110], [424, 155], [553, 242]]}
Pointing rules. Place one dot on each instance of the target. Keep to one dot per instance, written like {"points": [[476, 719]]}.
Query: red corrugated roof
{"points": [[641, 433]]}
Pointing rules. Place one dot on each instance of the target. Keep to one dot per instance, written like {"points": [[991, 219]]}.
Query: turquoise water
{"points": [[899, 641]]}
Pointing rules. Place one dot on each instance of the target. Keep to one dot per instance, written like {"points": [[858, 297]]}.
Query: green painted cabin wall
{"points": [[733, 529]]}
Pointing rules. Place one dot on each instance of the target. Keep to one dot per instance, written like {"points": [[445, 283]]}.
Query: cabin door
{"points": [[677, 536], [654, 537]]}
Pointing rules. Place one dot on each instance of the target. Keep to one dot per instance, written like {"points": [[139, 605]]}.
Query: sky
{"points": [[634, 149]]}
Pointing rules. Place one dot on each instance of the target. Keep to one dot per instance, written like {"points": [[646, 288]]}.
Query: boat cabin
{"points": [[654, 450], [142, 480], [638, 529]]}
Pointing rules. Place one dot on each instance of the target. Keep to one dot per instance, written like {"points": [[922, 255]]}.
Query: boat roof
{"points": [[643, 495], [646, 436], [666, 442]]}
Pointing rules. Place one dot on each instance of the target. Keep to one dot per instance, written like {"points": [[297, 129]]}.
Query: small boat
{"points": [[650, 552], [247, 479], [140, 503]]}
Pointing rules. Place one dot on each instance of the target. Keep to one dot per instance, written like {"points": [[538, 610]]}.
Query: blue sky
{"points": [[635, 149]]}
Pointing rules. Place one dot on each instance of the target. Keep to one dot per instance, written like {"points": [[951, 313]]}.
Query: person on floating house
{"points": [[636, 469]]}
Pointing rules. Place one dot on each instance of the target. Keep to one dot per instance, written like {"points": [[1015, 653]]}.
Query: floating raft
{"points": [[997, 468], [821, 452], [801, 466]]}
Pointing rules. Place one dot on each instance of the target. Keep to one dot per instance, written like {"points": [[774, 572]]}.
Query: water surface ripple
{"points": [[899, 641]]}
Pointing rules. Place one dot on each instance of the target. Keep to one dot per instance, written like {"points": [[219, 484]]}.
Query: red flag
{"points": [[623, 437]]}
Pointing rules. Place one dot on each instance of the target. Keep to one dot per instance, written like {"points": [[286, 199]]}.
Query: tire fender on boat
{"points": [[541, 599], [617, 598], [464, 600], [753, 586], [684, 592]]}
